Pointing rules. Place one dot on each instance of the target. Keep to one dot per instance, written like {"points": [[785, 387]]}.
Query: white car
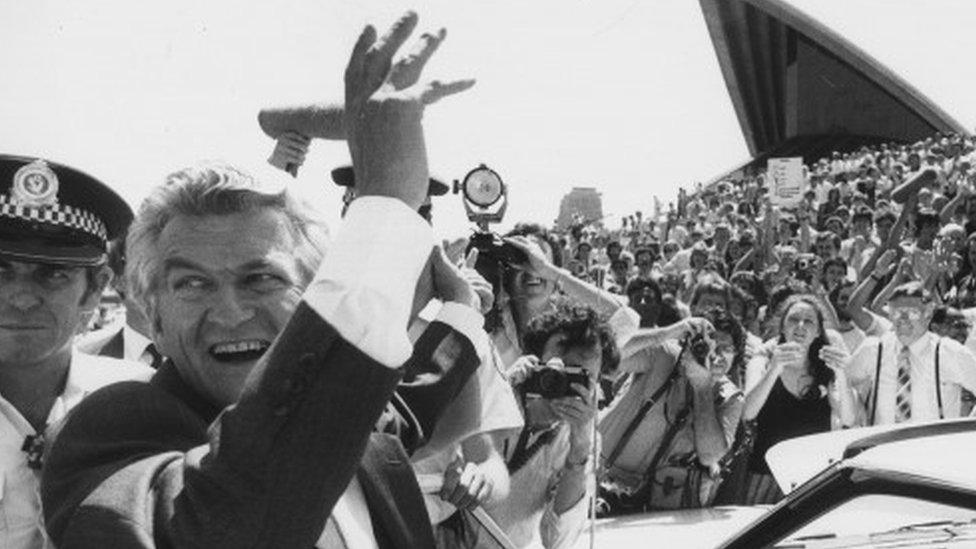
{"points": [[911, 486]]}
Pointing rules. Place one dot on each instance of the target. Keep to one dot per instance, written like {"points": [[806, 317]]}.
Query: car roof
{"points": [[795, 461], [947, 458]]}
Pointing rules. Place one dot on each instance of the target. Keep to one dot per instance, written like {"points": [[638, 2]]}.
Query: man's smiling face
{"points": [[228, 285]]}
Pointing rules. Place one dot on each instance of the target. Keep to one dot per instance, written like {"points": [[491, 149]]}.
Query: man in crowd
{"points": [[54, 225], [551, 458], [128, 339], [910, 373], [302, 378], [674, 418]]}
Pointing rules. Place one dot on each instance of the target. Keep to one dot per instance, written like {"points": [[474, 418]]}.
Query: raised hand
{"points": [[538, 264], [383, 122], [579, 412], [906, 272], [482, 288], [290, 150], [787, 355], [521, 369], [466, 485], [452, 284], [692, 325], [885, 263], [836, 358]]}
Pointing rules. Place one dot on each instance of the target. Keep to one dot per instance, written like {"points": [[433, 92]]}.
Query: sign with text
{"points": [[786, 182]]}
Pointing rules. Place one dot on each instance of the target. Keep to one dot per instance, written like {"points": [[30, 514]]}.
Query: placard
{"points": [[786, 181]]}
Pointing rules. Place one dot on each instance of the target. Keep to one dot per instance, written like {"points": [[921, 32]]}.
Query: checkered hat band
{"points": [[57, 214]]}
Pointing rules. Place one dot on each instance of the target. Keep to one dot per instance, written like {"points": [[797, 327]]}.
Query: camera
{"points": [[554, 380], [485, 199], [699, 347], [805, 266]]}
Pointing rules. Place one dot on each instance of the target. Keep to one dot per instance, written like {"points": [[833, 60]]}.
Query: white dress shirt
{"points": [[364, 289], [957, 367], [21, 519], [135, 346]]}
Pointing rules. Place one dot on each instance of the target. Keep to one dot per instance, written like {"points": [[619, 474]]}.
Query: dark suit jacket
{"points": [[146, 465]]}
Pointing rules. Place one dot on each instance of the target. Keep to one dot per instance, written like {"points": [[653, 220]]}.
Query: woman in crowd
{"points": [[797, 387], [529, 290]]}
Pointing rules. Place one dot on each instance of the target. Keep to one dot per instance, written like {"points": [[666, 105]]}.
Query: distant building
{"points": [[582, 202]]}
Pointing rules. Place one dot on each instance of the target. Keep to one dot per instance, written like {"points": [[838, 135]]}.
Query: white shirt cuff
{"points": [[365, 285]]}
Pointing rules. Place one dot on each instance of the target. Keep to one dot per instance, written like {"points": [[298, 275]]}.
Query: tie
{"points": [[157, 359], [903, 396]]}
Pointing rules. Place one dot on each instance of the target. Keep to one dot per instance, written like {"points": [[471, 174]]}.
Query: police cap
{"points": [[52, 213]]}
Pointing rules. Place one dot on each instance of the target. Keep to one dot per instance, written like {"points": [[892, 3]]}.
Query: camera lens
{"points": [[552, 383]]}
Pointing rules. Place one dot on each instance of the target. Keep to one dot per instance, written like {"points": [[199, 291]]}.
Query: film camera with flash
{"points": [[485, 199]]}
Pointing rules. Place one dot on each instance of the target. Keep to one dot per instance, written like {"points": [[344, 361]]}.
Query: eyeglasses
{"points": [[911, 314]]}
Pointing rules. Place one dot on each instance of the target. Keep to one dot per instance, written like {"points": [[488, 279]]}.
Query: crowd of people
{"points": [[853, 306], [272, 385]]}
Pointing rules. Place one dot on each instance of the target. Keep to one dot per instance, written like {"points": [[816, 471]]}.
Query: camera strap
{"points": [[642, 413], [665, 445], [523, 451]]}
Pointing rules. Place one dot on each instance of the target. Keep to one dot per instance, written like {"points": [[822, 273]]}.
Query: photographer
{"points": [[666, 434], [550, 459], [530, 288]]}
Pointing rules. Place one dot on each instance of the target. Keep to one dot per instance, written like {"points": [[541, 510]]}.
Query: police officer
{"points": [[55, 222]]}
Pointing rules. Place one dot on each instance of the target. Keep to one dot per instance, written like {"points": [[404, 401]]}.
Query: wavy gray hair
{"points": [[213, 189]]}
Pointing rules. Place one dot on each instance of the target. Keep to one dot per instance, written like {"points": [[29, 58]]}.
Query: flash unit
{"points": [[485, 196]]}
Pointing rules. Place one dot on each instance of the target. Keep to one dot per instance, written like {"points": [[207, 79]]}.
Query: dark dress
{"points": [[784, 416]]}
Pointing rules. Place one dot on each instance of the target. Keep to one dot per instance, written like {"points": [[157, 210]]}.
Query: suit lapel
{"points": [[396, 506]]}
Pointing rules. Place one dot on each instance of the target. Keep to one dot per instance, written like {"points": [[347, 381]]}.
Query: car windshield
{"points": [[887, 521]]}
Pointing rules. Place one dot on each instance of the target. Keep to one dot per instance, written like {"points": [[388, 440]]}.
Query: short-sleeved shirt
{"points": [[650, 369], [21, 519], [957, 370]]}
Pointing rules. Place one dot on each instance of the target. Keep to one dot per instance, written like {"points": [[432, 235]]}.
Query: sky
{"points": [[622, 95]]}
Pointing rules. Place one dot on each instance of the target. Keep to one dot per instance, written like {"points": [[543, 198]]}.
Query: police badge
{"points": [[35, 185]]}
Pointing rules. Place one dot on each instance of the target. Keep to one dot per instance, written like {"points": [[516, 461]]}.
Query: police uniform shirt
{"points": [[957, 367], [21, 520]]}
